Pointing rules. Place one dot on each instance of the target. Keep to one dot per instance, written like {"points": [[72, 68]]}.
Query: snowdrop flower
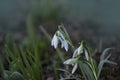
{"points": [[78, 51], [55, 41], [73, 62], [64, 45], [59, 37], [70, 61], [81, 49]]}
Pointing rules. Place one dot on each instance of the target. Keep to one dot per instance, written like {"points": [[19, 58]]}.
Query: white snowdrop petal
{"points": [[66, 45], [55, 41], [74, 68], [86, 55], [80, 49], [70, 61], [52, 42]]}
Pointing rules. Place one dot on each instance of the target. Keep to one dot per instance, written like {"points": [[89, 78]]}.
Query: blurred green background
{"points": [[103, 13], [90, 19]]}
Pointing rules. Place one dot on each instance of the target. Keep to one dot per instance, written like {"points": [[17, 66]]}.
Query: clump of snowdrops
{"points": [[82, 57]]}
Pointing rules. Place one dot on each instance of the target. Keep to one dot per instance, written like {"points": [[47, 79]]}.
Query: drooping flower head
{"points": [[73, 62], [80, 50], [55, 41], [59, 37]]}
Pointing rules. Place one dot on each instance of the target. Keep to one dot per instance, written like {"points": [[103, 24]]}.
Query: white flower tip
{"points": [[67, 62], [74, 68], [66, 47], [80, 49], [86, 55], [64, 62], [70, 61], [54, 41]]}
